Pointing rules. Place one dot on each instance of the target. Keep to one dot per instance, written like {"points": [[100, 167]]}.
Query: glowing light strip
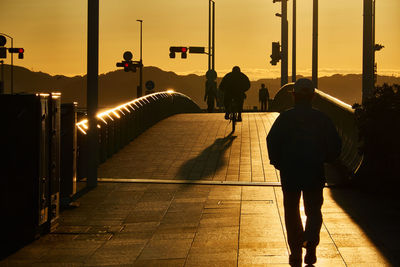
{"points": [[138, 102]]}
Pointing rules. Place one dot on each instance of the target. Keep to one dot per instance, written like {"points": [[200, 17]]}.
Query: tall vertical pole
{"points": [[92, 90], [368, 52], [213, 35], [2, 77], [315, 44], [12, 67], [139, 92], [294, 43], [209, 34], [373, 43], [284, 38]]}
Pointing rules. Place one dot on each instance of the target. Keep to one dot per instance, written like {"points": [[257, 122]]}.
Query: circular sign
{"points": [[128, 55], [3, 40], [211, 75], [149, 85]]}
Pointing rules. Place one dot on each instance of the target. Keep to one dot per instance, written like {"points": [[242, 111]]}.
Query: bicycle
{"points": [[233, 114]]}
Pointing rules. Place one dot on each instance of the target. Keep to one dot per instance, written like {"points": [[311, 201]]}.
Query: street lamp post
{"points": [[2, 77], [294, 43], [12, 63], [92, 90], [139, 89], [211, 34], [315, 45]]}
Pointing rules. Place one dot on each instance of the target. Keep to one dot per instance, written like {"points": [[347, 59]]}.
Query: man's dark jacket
{"points": [[234, 84], [300, 141]]}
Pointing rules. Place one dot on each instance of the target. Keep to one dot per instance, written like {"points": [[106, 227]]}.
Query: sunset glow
{"points": [[53, 34]]}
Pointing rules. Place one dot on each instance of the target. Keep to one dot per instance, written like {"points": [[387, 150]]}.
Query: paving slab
{"points": [[242, 227], [240, 224]]}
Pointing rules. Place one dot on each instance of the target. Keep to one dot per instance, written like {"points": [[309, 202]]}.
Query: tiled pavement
{"points": [[143, 224], [199, 147]]}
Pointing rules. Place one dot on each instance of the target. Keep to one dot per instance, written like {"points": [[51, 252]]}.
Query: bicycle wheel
{"points": [[234, 117]]}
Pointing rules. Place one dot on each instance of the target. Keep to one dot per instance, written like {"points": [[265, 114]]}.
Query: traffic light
{"points": [[20, 52], [184, 52], [129, 65], [178, 49], [3, 52], [276, 53]]}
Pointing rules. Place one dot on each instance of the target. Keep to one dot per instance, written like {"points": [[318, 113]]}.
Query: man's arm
{"points": [[274, 142], [246, 83], [222, 84]]}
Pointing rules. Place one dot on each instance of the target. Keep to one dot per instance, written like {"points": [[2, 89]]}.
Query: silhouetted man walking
{"points": [[300, 141], [234, 85], [263, 97]]}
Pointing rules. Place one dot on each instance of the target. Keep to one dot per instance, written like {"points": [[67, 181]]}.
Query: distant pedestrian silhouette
{"points": [[210, 94], [263, 97], [234, 85], [300, 141]]}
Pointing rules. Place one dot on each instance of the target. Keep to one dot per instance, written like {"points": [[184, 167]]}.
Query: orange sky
{"points": [[53, 34]]}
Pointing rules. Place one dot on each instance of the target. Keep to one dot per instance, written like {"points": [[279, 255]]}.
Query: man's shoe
{"points": [[226, 116], [311, 256], [295, 260]]}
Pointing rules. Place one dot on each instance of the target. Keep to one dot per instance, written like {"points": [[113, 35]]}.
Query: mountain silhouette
{"points": [[117, 87]]}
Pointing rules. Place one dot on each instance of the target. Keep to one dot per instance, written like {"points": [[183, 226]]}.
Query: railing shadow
{"points": [[207, 162], [377, 214]]}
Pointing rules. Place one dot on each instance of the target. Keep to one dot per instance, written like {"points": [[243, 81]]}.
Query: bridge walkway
{"points": [[198, 147], [132, 221]]}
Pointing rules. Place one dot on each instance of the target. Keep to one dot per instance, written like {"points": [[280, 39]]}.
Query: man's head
{"points": [[236, 69], [303, 91], [262, 85]]}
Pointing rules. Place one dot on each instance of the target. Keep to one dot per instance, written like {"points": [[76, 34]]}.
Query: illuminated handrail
{"points": [[116, 113], [120, 125]]}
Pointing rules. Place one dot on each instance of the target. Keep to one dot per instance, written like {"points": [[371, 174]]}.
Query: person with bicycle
{"points": [[234, 85]]}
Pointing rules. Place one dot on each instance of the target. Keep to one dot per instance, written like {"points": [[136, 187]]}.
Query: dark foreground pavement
{"points": [[164, 224]]}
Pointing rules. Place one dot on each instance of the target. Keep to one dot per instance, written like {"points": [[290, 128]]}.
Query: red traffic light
{"points": [[20, 50], [126, 64], [184, 49]]}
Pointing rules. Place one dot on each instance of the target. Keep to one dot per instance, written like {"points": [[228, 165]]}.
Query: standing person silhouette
{"points": [[263, 97], [234, 85], [210, 90], [300, 141]]}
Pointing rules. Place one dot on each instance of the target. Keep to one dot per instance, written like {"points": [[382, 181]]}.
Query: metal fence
{"points": [[120, 125]]}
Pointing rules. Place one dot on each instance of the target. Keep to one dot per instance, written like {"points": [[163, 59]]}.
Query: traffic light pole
{"points": [[139, 89], [92, 90], [294, 43], [12, 63], [213, 35], [315, 45], [209, 34], [284, 38], [2, 77], [368, 51]]}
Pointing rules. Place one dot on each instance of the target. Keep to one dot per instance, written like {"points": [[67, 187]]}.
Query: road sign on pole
{"points": [[196, 49], [150, 85]]}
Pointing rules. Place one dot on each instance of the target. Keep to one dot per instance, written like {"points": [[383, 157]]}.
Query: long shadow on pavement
{"points": [[207, 162], [378, 215]]}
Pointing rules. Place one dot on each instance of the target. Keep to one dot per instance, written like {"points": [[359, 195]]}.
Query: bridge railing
{"points": [[120, 125], [341, 114]]}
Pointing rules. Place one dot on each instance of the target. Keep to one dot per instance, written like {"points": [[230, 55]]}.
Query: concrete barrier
{"points": [[341, 114]]}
